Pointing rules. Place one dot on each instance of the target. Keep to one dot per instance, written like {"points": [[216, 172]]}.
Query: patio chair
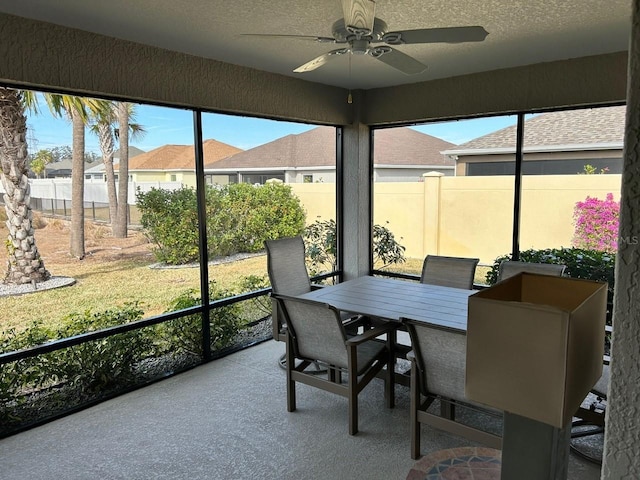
{"points": [[438, 361], [456, 272], [288, 276], [316, 333], [287, 273], [509, 268]]}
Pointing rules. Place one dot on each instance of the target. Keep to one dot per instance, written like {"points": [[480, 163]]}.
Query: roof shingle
{"points": [[567, 127], [316, 148], [180, 157]]}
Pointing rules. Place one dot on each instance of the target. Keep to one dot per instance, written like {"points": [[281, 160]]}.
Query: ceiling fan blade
{"points": [[398, 60], [320, 61], [301, 37], [437, 35], [359, 16]]}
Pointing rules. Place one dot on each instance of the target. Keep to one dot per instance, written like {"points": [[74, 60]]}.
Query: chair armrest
{"points": [[373, 333]]}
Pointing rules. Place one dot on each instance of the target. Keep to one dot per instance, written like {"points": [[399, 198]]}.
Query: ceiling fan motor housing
{"points": [[342, 35]]}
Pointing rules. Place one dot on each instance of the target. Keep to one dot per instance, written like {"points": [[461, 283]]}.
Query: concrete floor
{"points": [[228, 420]]}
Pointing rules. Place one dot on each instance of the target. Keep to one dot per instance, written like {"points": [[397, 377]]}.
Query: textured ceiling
{"points": [[521, 32]]}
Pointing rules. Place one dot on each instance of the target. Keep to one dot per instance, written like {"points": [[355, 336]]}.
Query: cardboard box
{"points": [[535, 345]]}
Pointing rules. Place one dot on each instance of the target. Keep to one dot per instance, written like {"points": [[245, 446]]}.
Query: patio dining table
{"points": [[391, 299]]}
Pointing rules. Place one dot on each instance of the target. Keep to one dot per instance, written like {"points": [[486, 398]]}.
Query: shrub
{"points": [[596, 224], [88, 368], [170, 220], [320, 244], [23, 375], [258, 213], [38, 221], [108, 362], [240, 217], [185, 334], [386, 249], [258, 307]]}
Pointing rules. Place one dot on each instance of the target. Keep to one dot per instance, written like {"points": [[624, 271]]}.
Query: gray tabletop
{"points": [[394, 299]]}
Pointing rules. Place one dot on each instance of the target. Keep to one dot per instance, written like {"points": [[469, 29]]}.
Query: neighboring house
{"points": [[555, 143], [175, 163], [96, 172], [400, 155], [62, 169]]}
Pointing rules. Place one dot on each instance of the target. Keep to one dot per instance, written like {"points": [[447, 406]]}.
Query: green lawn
{"points": [[106, 285]]}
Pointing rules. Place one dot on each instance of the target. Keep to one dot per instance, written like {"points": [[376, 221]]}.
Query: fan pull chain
{"points": [[349, 97]]}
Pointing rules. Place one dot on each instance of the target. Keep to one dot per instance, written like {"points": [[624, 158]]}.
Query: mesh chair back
{"points": [[317, 331], [453, 272], [510, 268], [285, 264], [441, 359]]}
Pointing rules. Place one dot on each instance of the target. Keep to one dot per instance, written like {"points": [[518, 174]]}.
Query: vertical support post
{"points": [[622, 436], [533, 450], [357, 182], [202, 234]]}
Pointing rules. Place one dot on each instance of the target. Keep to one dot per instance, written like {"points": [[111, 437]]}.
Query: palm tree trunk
{"points": [[76, 246], [24, 264], [105, 136], [120, 226]]}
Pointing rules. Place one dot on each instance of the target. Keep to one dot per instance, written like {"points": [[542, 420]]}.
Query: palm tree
{"points": [[104, 130], [78, 110], [40, 161], [122, 114], [120, 226], [24, 264]]}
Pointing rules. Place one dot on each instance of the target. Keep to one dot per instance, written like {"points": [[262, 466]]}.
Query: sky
{"points": [[165, 125]]}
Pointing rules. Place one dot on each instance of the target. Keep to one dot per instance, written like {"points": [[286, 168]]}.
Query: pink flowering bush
{"points": [[596, 224]]}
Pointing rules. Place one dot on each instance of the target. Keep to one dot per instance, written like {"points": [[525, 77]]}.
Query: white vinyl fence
{"points": [[53, 196]]}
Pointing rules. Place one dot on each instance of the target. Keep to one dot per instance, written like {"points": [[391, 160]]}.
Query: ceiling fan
{"points": [[361, 33]]}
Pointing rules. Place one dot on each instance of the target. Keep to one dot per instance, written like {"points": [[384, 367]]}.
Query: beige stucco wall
{"points": [[400, 207], [471, 216], [318, 200]]}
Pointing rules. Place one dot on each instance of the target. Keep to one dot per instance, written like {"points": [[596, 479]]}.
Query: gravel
{"points": [[213, 261], [53, 282]]}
